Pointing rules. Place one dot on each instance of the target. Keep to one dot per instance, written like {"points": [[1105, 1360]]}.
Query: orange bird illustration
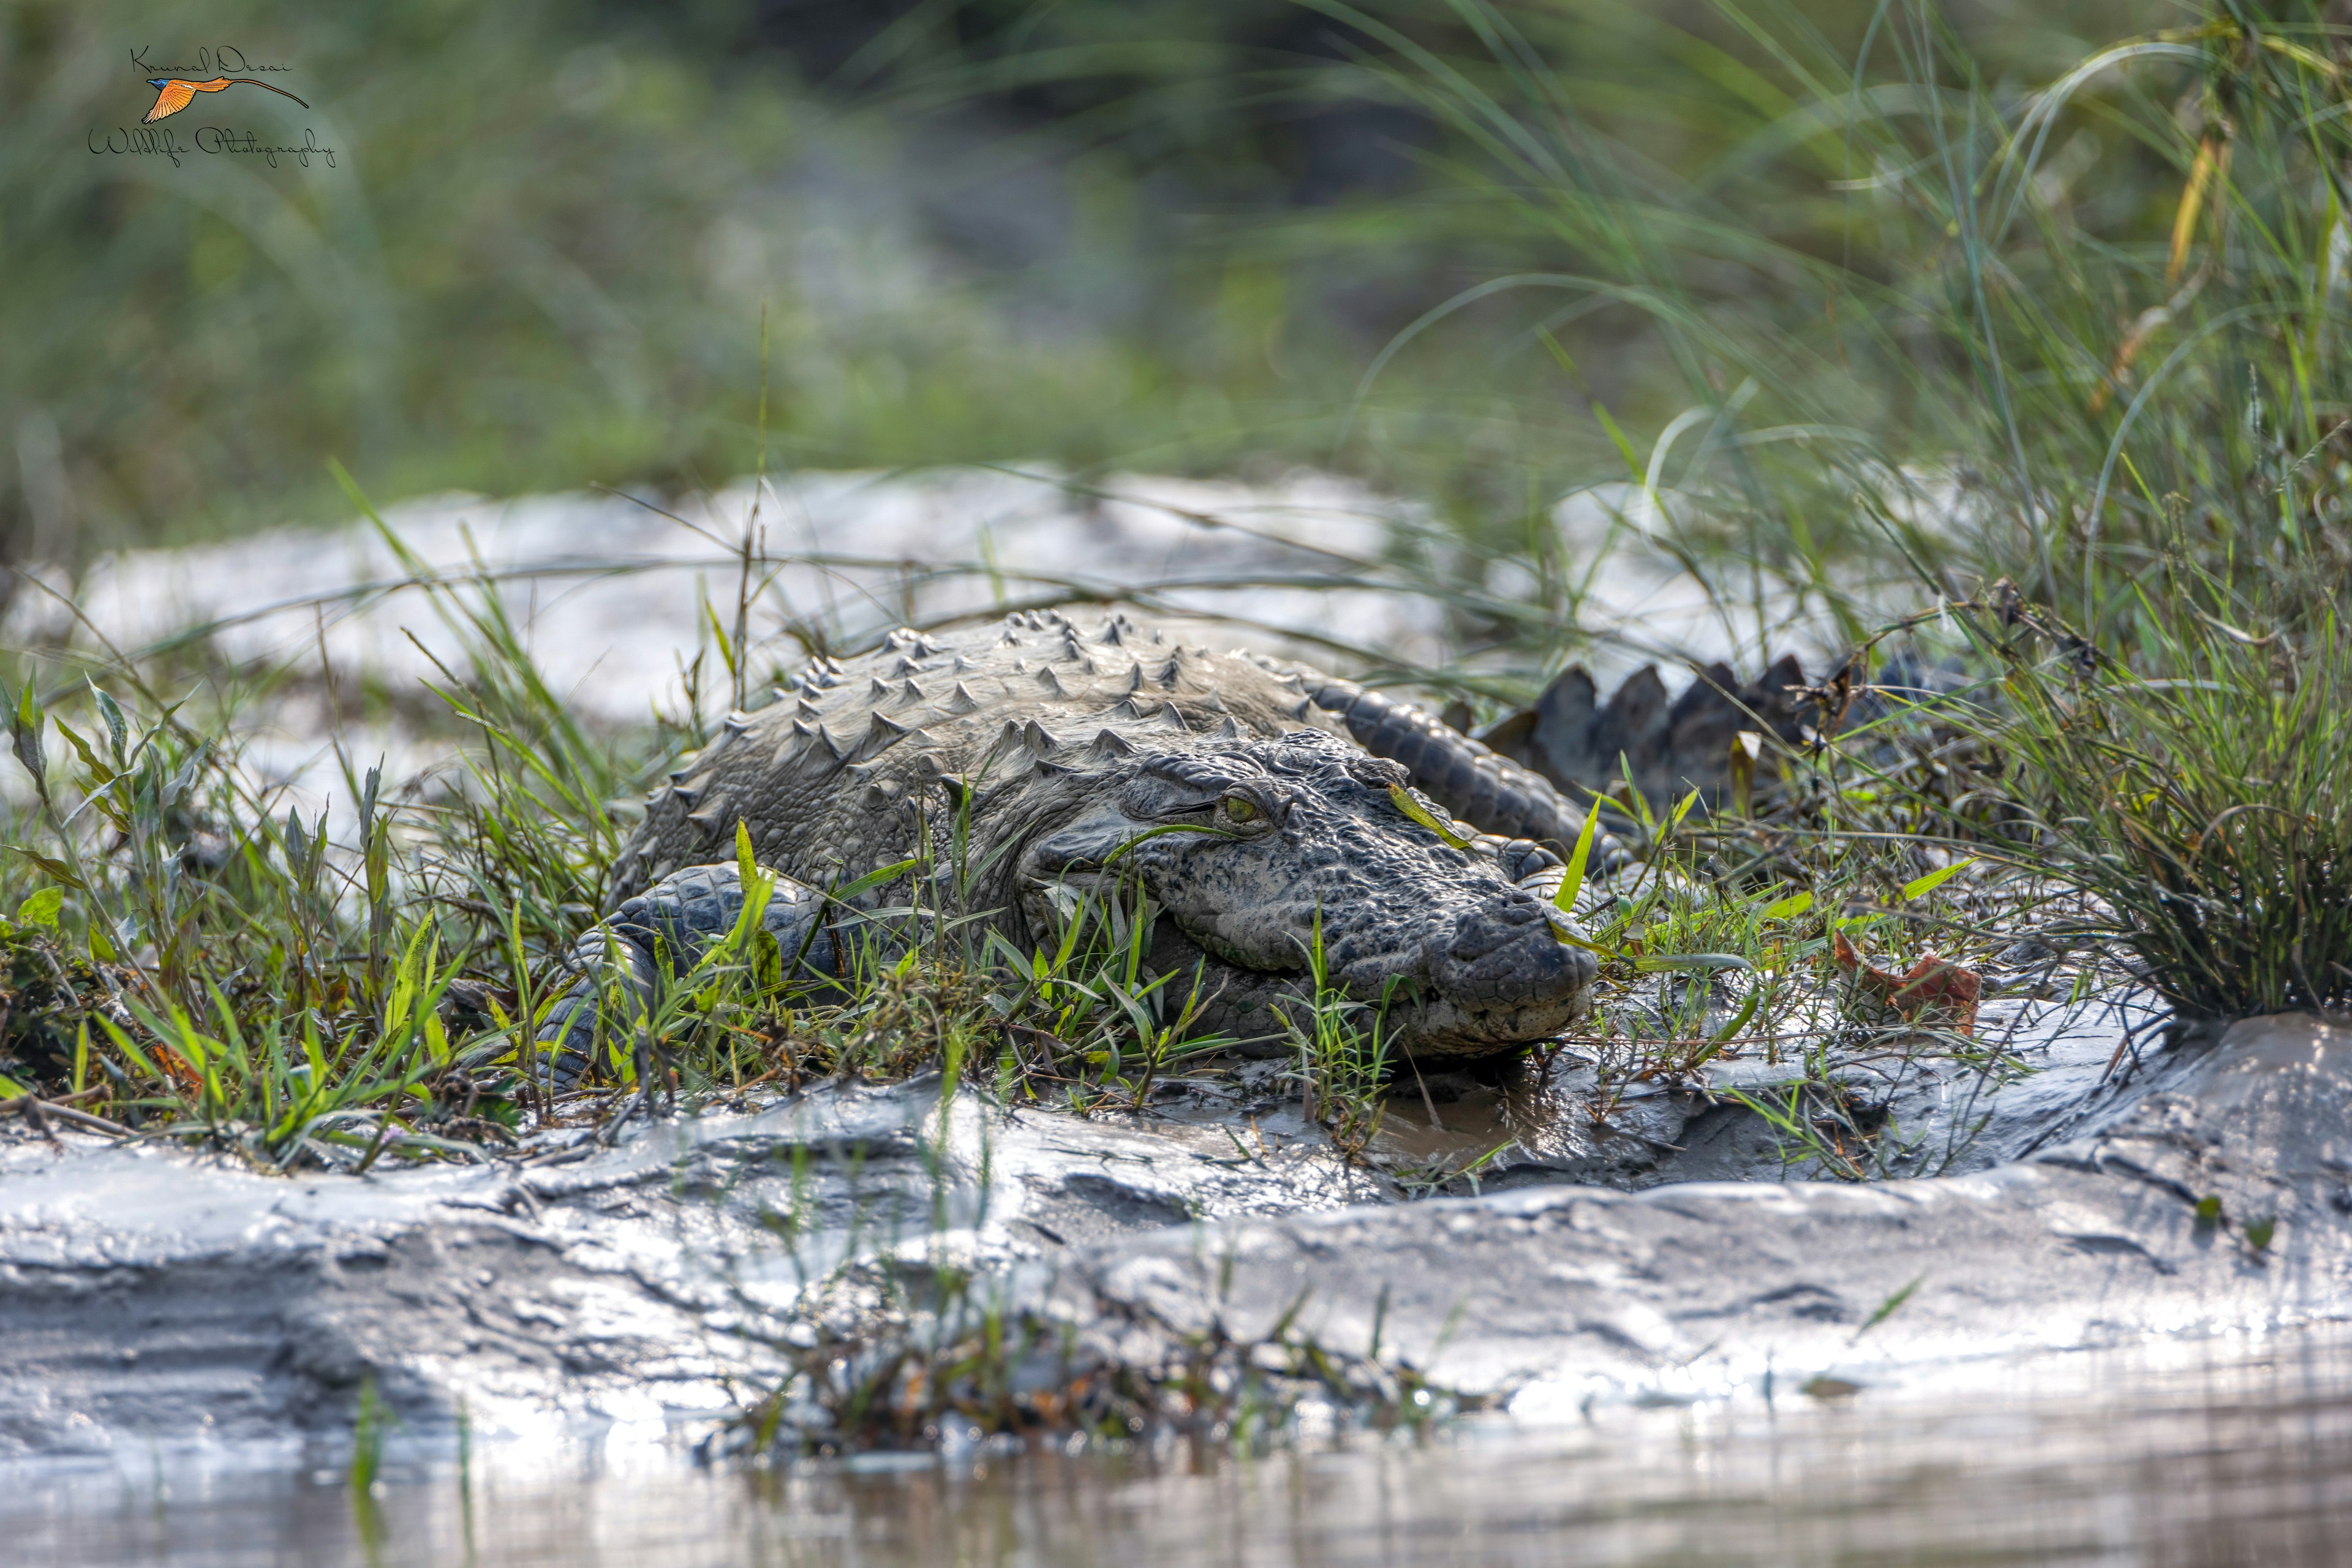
{"points": [[172, 95]]}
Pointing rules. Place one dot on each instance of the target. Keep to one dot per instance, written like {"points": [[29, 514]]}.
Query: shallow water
{"points": [[2182, 1453]]}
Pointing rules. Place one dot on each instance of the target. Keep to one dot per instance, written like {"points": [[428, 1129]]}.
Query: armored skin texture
{"points": [[1027, 762]]}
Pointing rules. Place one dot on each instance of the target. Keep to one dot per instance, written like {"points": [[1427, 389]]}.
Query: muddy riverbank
{"points": [[154, 1300]]}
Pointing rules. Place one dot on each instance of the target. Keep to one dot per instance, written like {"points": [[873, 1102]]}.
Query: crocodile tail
{"points": [[1666, 747], [1468, 779]]}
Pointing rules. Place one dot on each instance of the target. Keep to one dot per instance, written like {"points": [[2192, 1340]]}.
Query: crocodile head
{"points": [[1254, 851]]}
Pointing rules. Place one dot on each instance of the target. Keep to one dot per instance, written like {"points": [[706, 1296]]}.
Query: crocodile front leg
{"points": [[671, 925]]}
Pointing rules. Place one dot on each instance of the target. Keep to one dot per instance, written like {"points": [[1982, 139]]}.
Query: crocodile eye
{"points": [[1239, 810]]}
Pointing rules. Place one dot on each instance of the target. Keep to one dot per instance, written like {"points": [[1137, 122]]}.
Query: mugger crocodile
{"points": [[1038, 758]]}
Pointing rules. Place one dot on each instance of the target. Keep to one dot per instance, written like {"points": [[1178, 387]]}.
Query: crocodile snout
{"points": [[1503, 955]]}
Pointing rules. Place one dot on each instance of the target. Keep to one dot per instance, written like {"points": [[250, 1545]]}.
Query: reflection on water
{"points": [[2203, 1454]]}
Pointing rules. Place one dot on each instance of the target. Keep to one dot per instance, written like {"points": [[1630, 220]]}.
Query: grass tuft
{"points": [[2195, 782]]}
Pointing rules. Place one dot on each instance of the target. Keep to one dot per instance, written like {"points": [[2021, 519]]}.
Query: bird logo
{"points": [[174, 94]]}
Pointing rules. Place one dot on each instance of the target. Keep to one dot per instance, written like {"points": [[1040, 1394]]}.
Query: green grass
{"points": [[2194, 779], [898, 1359]]}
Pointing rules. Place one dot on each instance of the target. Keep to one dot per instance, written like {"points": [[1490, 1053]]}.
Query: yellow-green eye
{"points": [[1239, 810]]}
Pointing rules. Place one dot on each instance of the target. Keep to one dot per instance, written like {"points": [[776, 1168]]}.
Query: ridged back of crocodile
{"points": [[839, 774]]}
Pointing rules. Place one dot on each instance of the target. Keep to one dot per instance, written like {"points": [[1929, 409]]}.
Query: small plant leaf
{"points": [[1708, 963], [1682, 811], [1572, 882], [55, 867], [97, 770], [1935, 880], [1635, 801], [1889, 1307], [41, 909], [1415, 810], [26, 727], [117, 728], [1738, 1020], [1617, 438], [1587, 943], [875, 879]]}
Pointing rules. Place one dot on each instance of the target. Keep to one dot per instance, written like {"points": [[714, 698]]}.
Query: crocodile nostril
{"points": [[1504, 952], [1483, 931]]}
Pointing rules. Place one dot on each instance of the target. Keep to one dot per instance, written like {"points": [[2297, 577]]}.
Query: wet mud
{"points": [[1661, 1250]]}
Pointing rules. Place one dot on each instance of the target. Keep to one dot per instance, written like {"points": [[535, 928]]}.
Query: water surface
{"points": [[2207, 1452]]}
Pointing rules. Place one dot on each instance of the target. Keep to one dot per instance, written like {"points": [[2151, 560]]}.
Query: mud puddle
{"points": [[1904, 1107]]}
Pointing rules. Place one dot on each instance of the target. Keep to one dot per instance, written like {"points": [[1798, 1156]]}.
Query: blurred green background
{"points": [[1107, 233]]}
